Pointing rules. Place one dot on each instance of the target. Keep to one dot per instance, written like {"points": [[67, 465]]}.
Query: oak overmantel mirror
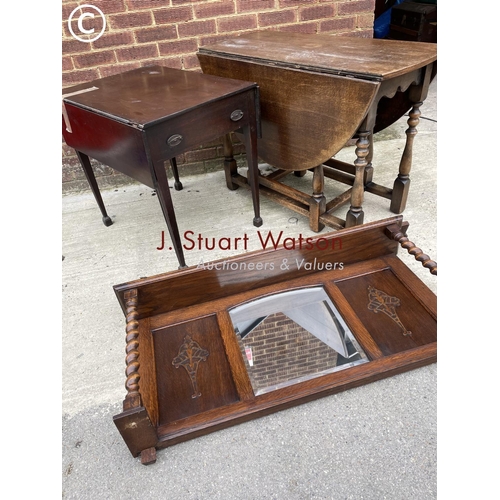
{"points": [[211, 347]]}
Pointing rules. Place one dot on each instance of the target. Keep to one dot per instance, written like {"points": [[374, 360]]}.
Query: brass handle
{"points": [[174, 140], [237, 115]]}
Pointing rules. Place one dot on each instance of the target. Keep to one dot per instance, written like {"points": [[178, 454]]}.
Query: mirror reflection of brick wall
{"points": [[282, 350]]}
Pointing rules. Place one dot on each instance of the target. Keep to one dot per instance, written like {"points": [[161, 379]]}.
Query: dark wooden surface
{"points": [[364, 58], [145, 96], [160, 318], [318, 92], [136, 121]]}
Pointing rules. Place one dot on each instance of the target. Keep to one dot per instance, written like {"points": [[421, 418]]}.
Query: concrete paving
{"points": [[374, 442]]}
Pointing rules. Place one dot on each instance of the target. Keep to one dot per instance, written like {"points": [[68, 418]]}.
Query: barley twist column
{"points": [[132, 398]]}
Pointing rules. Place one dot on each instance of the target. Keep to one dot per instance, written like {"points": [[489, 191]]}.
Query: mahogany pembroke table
{"points": [[137, 120], [317, 92], [212, 346]]}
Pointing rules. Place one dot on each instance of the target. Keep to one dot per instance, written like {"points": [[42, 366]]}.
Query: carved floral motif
{"points": [[190, 355], [381, 302]]}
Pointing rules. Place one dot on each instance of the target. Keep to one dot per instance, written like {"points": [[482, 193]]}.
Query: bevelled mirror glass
{"points": [[293, 336]]}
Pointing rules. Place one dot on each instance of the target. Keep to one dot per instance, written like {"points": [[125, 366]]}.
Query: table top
{"points": [[146, 96], [365, 58]]}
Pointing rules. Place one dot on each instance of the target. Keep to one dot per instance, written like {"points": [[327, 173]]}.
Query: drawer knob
{"points": [[236, 115], [174, 140]]}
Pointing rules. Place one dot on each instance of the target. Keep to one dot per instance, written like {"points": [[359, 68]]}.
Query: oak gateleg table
{"points": [[318, 91]]}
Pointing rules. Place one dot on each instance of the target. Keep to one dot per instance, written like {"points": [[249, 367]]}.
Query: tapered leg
{"points": [[89, 174], [402, 182], [250, 138], [230, 167], [167, 207], [175, 172], [355, 214], [317, 205]]}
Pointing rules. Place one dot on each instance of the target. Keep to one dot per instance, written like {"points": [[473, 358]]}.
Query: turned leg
{"points": [[89, 174], [402, 182], [368, 175], [355, 213], [230, 167], [175, 172], [299, 173], [317, 204]]}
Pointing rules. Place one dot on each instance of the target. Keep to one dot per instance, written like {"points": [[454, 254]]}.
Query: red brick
{"points": [[173, 15], [279, 17], [94, 59], [300, 28], [142, 4], [200, 155], [237, 23], [118, 68], [67, 9], [73, 46], [172, 62], [181, 2], [190, 61], [109, 6], [76, 77], [209, 40], [194, 28], [254, 5], [364, 20], [295, 3], [178, 47], [108, 40], [214, 9], [67, 63], [339, 24], [131, 20], [137, 53], [155, 34], [356, 6], [317, 12]]}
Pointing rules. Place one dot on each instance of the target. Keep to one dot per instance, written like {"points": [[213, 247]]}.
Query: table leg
{"points": [[368, 175], [355, 214], [175, 172], [317, 205], [89, 174], [402, 183], [250, 138], [165, 198], [230, 167]]}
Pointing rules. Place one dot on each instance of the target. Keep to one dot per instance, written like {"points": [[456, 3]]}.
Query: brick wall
{"points": [[282, 350], [169, 32]]}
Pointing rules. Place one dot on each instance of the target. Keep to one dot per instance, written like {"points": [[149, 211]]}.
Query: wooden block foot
{"points": [[148, 456], [400, 195], [354, 218]]}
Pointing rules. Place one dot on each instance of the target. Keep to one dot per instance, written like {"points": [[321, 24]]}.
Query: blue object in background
{"points": [[383, 22]]}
